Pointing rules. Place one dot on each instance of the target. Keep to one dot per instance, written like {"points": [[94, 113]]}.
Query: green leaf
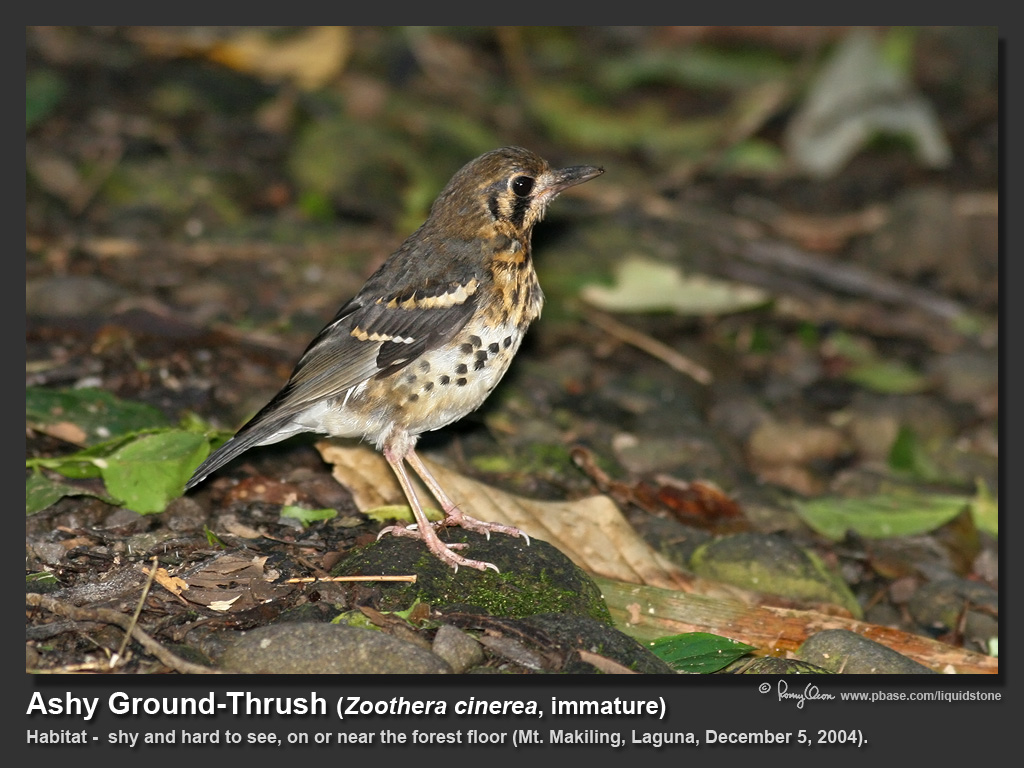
{"points": [[147, 473], [356, 619], [753, 156], [43, 91], [307, 516], [907, 455], [42, 491], [400, 512], [694, 66], [213, 539], [698, 652], [871, 371], [985, 510], [882, 516], [98, 413], [888, 376]]}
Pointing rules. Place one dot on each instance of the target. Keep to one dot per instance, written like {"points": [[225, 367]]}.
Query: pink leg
{"points": [[454, 516], [423, 529]]}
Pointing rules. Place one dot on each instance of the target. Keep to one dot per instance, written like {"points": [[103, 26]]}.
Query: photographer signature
{"points": [[809, 693]]}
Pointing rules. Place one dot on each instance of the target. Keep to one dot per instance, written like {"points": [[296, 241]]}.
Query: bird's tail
{"points": [[252, 434]]}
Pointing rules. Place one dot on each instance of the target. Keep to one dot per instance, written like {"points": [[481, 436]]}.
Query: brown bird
{"points": [[428, 336]]}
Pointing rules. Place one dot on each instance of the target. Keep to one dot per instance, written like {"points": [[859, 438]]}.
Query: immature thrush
{"points": [[428, 336]]}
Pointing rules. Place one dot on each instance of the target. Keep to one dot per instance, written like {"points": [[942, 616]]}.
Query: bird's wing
{"points": [[363, 340], [372, 339]]}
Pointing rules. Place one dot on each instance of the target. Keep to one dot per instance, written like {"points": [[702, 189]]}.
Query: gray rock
{"points": [[70, 296], [313, 648], [574, 633], [773, 565], [846, 652], [458, 648], [952, 602]]}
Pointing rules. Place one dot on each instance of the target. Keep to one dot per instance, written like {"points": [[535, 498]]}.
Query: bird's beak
{"points": [[569, 177]]}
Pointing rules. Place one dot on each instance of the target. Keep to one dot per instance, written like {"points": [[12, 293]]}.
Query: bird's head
{"points": [[507, 189]]}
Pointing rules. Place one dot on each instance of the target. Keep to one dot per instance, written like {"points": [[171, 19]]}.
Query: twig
{"points": [[77, 613], [606, 665], [848, 278], [138, 609], [651, 346]]}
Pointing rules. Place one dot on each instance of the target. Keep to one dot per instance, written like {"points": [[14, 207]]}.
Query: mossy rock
{"points": [[534, 578]]}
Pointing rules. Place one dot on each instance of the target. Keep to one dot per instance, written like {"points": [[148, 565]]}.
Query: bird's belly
{"points": [[445, 384], [434, 390]]}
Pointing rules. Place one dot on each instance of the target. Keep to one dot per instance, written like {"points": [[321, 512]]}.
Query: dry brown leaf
{"points": [[172, 584], [231, 524], [228, 569], [591, 532], [312, 58], [223, 605], [66, 431], [603, 663]]}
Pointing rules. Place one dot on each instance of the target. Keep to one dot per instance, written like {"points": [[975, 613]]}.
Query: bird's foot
{"points": [[455, 517], [439, 548]]}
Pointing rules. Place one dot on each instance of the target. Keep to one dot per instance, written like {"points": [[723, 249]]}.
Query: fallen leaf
{"points": [[172, 584], [858, 95], [311, 58], [222, 605], [591, 532], [644, 285], [228, 569], [882, 516], [235, 527], [648, 613]]}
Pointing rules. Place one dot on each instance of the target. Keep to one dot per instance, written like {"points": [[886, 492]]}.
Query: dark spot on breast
{"points": [[475, 340], [481, 355], [428, 386], [444, 380], [465, 348], [493, 348], [515, 296], [410, 378], [479, 364], [506, 342], [413, 397], [424, 366], [461, 381], [461, 368]]}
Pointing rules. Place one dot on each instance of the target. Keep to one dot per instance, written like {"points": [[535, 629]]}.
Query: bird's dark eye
{"points": [[522, 186]]}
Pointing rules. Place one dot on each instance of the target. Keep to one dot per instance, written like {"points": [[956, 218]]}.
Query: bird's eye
{"points": [[522, 186]]}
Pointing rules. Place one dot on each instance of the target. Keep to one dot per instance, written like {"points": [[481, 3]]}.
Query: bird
{"points": [[428, 336]]}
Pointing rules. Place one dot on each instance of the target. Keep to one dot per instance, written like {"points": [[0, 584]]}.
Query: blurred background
{"points": [[774, 316]]}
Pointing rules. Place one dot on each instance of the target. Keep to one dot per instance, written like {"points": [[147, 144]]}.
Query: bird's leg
{"points": [[453, 515], [423, 528]]}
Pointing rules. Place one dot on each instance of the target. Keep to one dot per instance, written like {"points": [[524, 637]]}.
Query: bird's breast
{"points": [[450, 381]]}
